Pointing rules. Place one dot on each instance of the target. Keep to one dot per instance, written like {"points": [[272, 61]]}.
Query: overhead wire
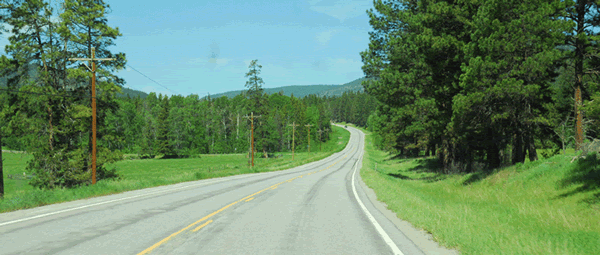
{"points": [[152, 80], [46, 94], [57, 95]]}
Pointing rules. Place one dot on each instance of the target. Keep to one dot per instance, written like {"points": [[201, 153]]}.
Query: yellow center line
{"points": [[250, 197], [201, 226], [183, 229]]}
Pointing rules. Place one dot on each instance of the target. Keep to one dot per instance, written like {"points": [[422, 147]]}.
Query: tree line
{"points": [[351, 107], [179, 126], [483, 83]]}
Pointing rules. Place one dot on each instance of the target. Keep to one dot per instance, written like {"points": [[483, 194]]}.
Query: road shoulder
{"points": [[419, 237]]}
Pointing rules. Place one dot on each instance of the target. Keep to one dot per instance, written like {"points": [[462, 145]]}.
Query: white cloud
{"points": [[341, 9]]}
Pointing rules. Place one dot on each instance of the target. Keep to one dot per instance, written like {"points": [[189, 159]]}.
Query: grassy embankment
{"points": [[550, 206], [144, 173]]}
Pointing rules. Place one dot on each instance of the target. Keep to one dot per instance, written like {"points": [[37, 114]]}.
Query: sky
{"points": [[200, 47]]}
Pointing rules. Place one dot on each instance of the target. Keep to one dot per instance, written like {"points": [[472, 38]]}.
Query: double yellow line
{"points": [[247, 198]]}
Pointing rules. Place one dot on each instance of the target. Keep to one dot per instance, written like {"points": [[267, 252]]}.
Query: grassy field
{"points": [[550, 206], [144, 173]]}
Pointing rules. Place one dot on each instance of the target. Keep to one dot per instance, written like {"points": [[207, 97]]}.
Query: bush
{"points": [[57, 169]]}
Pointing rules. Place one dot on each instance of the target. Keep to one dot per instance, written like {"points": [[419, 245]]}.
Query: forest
{"points": [[45, 104], [483, 84]]}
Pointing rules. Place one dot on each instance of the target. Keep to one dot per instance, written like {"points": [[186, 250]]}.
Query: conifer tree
{"points": [[39, 48], [584, 62], [84, 25], [164, 147], [506, 82]]}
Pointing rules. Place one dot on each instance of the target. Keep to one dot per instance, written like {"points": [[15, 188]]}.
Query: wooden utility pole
{"points": [[308, 126], [251, 117], [294, 125], [93, 70]]}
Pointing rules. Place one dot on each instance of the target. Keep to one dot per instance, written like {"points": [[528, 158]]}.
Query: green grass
{"points": [[144, 173], [550, 206]]}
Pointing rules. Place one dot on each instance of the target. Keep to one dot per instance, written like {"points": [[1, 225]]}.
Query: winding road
{"points": [[318, 208]]}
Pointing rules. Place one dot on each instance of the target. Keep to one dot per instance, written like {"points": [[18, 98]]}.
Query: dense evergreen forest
{"points": [[211, 126], [483, 84]]}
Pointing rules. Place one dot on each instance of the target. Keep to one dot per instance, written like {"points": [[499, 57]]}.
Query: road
{"points": [[319, 208]]}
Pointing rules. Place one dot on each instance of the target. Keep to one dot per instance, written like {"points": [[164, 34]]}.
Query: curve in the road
{"points": [[314, 208]]}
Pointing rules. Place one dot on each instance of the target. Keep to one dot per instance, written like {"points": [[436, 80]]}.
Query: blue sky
{"points": [[200, 47]]}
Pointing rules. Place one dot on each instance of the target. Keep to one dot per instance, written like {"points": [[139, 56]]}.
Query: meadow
{"points": [[144, 173], [549, 206]]}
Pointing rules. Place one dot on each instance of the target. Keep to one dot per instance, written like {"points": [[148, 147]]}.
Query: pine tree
{"points": [[506, 82], [254, 85], [584, 59], [84, 25], [413, 62], [164, 147]]}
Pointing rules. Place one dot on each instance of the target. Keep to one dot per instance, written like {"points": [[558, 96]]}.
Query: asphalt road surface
{"points": [[319, 208]]}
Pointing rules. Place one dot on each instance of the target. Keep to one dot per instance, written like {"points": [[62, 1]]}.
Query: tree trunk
{"points": [[530, 146], [517, 151], [493, 152], [579, 57], [1, 171], [493, 156]]}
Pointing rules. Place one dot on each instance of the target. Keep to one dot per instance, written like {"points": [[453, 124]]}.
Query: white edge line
{"points": [[101, 203], [382, 232]]}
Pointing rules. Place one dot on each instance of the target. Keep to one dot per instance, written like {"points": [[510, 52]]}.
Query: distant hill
{"points": [[354, 85], [297, 90], [124, 91], [132, 93], [305, 90]]}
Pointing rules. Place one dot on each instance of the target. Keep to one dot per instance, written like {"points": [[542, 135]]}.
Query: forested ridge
{"points": [[305, 90], [482, 84]]}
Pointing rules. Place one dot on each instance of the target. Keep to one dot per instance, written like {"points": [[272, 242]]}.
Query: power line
{"points": [[152, 80]]}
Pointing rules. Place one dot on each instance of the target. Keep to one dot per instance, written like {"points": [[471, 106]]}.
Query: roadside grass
{"points": [[144, 173], [550, 206]]}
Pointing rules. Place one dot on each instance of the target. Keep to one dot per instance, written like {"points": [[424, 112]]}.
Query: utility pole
{"points": [[294, 125], [308, 126], [251, 117], [93, 70]]}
